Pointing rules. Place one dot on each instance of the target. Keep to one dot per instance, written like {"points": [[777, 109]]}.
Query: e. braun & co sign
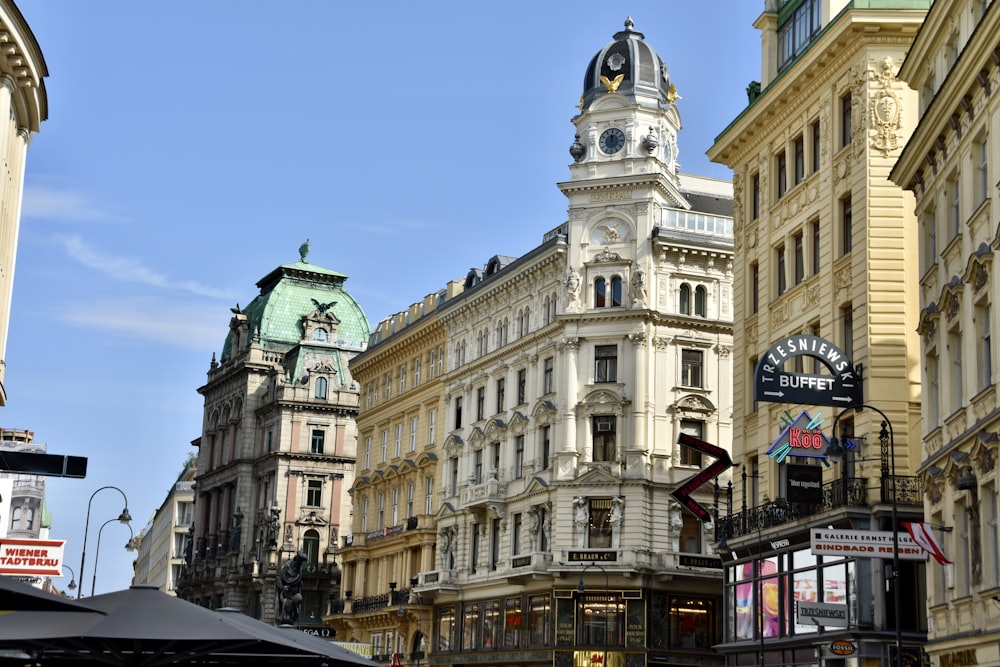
{"points": [[771, 383]]}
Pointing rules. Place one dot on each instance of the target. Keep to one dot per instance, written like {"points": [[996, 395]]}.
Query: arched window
{"points": [[685, 299], [15, 519], [320, 387], [600, 293], [616, 291], [310, 545], [700, 297], [319, 334]]}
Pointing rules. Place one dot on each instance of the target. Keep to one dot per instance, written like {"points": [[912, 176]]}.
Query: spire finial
{"points": [[304, 251], [629, 23]]}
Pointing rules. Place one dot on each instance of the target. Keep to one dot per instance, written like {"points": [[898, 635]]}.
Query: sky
{"points": [[193, 145]]}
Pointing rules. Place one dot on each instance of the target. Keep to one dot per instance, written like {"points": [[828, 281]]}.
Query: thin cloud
{"points": [[185, 326], [63, 206], [128, 269]]}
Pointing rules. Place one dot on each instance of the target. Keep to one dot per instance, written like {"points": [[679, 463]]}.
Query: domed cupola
{"points": [[628, 66]]}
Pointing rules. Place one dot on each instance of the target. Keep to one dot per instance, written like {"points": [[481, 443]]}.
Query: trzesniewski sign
{"points": [[775, 384], [819, 613], [863, 544]]}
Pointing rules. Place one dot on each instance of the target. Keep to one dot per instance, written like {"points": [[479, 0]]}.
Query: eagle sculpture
{"points": [[323, 307], [612, 84]]}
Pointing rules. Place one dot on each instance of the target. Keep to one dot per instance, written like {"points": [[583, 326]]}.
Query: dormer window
{"points": [[320, 335]]}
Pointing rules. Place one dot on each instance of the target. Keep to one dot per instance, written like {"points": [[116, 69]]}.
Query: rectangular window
{"points": [[501, 395], [932, 398], [963, 561], [605, 363], [599, 525], [364, 515], [314, 493], [954, 205], [815, 247], [399, 440], [410, 492], [453, 487], [547, 375], [317, 441], [428, 495], [691, 368], [402, 379], [847, 330], [845, 120], [515, 537], [447, 641], [477, 467], [458, 412], [539, 621], [781, 174], [755, 196], [846, 225], [980, 153], [368, 452], [546, 446], [480, 403], [494, 543], [800, 258], [799, 148], [755, 288], [779, 266], [754, 403], [815, 146], [604, 438], [395, 506], [385, 446], [413, 434], [494, 460], [471, 626], [695, 429], [431, 424], [929, 241], [388, 386], [955, 350], [381, 510], [416, 372], [518, 456], [513, 623], [984, 361], [991, 569], [522, 380]]}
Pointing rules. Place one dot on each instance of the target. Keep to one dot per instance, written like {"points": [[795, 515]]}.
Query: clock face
{"points": [[612, 140]]}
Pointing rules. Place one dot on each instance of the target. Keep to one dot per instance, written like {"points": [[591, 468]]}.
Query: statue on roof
{"points": [[304, 251]]}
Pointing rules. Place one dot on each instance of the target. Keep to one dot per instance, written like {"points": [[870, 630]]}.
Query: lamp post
{"points": [[72, 579], [124, 517], [417, 652], [607, 595], [129, 546], [887, 444]]}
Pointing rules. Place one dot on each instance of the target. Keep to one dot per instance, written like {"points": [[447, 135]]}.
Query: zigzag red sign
{"points": [[683, 492]]}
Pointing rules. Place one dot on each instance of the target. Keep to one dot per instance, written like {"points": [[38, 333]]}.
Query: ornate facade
{"points": [[277, 451], [570, 373], [950, 165], [825, 247]]}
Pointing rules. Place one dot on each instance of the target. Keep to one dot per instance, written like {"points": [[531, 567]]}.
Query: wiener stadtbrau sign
{"points": [[840, 387]]}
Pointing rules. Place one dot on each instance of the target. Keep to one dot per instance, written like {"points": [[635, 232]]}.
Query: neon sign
{"points": [[802, 437]]}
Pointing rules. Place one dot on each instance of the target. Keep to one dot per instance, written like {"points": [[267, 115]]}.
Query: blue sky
{"points": [[193, 145]]}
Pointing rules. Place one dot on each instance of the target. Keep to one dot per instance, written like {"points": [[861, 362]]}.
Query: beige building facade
{"points": [[23, 106], [826, 250], [950, 166], [164, 542]]}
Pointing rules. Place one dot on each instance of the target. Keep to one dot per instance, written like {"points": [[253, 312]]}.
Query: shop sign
{"points": [[722, 463], [863, 544], [963, 658], [839, 387], [580, 556], [803, 483], [801, 437], [843, 647], [598, 659], [520, 561], [27, 557], [818, 613], [699, 561]]}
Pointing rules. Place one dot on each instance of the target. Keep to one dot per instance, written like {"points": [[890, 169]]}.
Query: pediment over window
{"points": [[605, 397], [977, 270], [544, 410], [694, 403], [929, 317], [476, 436], [951, 297], [495, 426], [453, 443]]}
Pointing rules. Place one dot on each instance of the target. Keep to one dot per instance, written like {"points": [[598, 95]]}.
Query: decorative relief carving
{"points": [[752, 334], [859, 84], [638, 338], [813, 295], [662, 343], [885, 108], [779, 314], [982, 277], [723, 351], [606, 255], [843, 278]]}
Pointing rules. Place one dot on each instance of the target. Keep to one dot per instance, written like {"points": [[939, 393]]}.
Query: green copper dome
{"points": [[293, 291]]}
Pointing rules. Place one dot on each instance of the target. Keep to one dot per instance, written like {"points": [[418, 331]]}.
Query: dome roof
{"points": [[293, 291], [628, 66]]}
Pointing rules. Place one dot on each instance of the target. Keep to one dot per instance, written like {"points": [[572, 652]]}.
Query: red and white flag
{"points": [[924, 536]]}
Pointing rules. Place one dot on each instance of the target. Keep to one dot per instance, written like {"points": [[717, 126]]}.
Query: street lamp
{"points": [[129, 546], [417, 652], [888, 450], [124, 517], [72, 579], [580, 588]]}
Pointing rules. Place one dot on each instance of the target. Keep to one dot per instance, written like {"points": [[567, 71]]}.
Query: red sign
{"points": [[31, 557], [684, 491]]}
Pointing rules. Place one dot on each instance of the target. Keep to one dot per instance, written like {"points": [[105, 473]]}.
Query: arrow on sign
{"points": [[683, 492]]}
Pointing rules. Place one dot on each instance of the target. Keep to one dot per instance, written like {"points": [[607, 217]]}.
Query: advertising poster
{"points": [[747, 593]]}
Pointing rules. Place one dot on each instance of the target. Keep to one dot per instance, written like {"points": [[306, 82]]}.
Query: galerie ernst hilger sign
{"points": [[839, 387], [863, 544]]}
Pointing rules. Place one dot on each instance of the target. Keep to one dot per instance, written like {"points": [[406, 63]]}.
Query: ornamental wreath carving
{"points": [[885, 111]]}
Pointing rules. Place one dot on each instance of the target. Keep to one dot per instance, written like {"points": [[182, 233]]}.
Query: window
{"points": [[845, 120], [516, 536], [932, 400], [501, 397], [399, 440], [690, 537], [413, 434], [616, 291], [458, 412], [963, 560], [518, 457], [410, 491], [991, 569], [779, 265], [402, 379], [539, 621], [385, 446], [980, 153], [984, 357], [368, 452], [815, 247], [755, 288], [600, 293], [696, 429], [847, 330], [685, 299], [546, 446], [815, 146], [314, 493], [755, 196], [799, 258], [599, 525], [477, 469], [416, 372], [321, 388], [754, 403], [798, 30], [388, 385], [364, 515], [431, 424], [480, 403], [428, 495], [522, 379], [846, 225], [547, 375], [691, 368], [319, 335], [781, 174], [700, 301], [381, 510], [955, 350], [395, 506], [494, 459], [604, 438], [954, 205], [799, 150], [316, 442], [494, 543], [928, 243], [605, 363]]}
